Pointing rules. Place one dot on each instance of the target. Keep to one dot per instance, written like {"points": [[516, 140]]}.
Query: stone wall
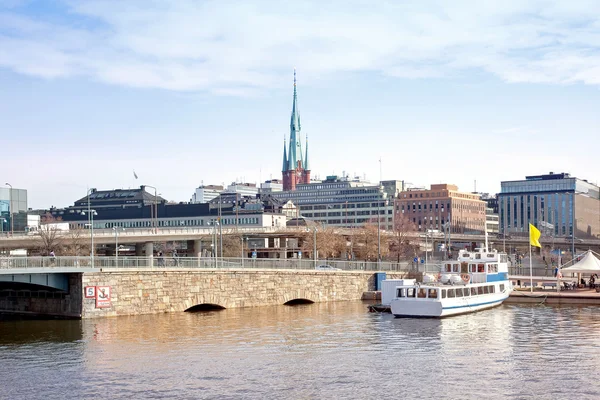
{"points": [[151, 291], [39, 303]]}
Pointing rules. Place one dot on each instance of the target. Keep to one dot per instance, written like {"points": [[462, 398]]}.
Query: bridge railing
{"points": [[210, 262]]}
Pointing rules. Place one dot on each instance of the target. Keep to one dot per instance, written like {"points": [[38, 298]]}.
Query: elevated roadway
{"points": [[157, 235]]}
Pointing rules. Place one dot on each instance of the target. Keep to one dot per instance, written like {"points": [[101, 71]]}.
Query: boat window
{"points": [[451, 293], [410, 292], [490, 256], [480, 290], [502, 287], [433, 293], [478, 256], [480, 267], [492, 289], [448, 267], [459, 292], [443, 293], [421, 293], [401, 293], [464, 268], [466, 292], [486, 289], [473, 291], [455, 268], [473, 268]]}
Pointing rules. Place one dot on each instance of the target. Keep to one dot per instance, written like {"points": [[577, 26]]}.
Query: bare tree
{"points": [[232, 245], [50, 235], [77, 243], [329, 243], [400, 244], [366, 243]]}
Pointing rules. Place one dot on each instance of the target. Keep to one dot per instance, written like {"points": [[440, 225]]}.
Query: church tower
{"points": [[295, 169]]}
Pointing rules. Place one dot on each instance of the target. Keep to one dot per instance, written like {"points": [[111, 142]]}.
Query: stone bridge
{"points": [[72, 292]]}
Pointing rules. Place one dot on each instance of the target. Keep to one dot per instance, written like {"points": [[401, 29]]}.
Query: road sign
{"points": [[299, 254], [422, 261], [103, 296], [254, 254], [415, 259]]}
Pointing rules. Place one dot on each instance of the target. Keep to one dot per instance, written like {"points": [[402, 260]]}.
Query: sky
{"points": [[200, 92]]}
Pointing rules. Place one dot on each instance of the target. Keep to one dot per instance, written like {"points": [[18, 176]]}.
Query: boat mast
{"points": [[486, 236]]}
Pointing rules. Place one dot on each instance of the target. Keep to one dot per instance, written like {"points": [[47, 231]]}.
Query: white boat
{"points": [[475, 281]]}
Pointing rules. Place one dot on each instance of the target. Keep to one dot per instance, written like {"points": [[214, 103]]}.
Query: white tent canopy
{"points": [[589, 264]]}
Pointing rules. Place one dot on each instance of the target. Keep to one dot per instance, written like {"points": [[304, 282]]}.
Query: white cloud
{"points": [[237, 48]]}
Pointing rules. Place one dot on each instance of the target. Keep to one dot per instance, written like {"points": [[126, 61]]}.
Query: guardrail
{"points": [[211, 263]]}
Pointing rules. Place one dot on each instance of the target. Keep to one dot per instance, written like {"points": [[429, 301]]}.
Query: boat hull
{"points": [[418, 308]]}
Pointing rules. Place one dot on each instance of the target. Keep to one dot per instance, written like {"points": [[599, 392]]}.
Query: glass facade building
{"points": [[557, 204], [12, 202]]}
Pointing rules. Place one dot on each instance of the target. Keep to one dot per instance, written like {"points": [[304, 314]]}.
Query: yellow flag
{"points": [[534, 236]]}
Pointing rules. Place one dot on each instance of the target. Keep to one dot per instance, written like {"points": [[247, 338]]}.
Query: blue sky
{"points": [[200, 91]]}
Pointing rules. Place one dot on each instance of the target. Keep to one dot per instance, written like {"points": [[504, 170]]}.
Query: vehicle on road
{"points": [[325, 267]]}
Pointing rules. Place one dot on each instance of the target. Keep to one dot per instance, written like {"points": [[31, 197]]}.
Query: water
{"points": [[334, 350]]}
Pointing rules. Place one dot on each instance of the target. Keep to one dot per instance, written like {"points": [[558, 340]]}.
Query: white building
{"points": [[244, 189], [204, 194], [273, 185]]}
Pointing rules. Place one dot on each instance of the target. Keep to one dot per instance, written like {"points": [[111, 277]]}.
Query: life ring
{"points": [[465, 277]]}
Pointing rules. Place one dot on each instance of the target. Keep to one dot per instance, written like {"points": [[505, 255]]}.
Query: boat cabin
{"points": [[443, 292]]}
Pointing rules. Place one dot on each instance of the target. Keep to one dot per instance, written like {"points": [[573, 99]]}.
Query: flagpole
{"points": [[530, 269]]}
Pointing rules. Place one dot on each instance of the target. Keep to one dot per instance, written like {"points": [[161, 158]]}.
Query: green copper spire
{"points": [[285, 161], [295, 152], [306, 165]]}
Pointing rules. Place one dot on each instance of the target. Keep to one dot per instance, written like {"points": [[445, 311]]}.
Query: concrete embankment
{"points": [[572, 297]]}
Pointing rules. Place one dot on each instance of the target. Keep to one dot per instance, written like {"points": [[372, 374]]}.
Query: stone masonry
{"points": [[137, 291]]}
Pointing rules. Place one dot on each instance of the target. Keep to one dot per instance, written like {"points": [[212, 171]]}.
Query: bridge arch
{"points": [[297, 302], [204, 307]]}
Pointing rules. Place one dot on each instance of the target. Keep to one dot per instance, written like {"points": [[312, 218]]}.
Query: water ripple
{"points": [[334, 350]]}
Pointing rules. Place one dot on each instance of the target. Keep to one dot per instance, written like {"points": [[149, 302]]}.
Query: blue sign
{"points": [[299, 254], [422, 261], [254, 254], [415, 259]]}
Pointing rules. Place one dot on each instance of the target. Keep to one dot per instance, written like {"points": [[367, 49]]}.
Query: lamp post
{"points": [[153, 210], [116, 231], [10, 207], [90, 213], [573, 226], [315, 247]]}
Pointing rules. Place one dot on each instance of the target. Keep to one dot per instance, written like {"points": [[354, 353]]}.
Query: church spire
{"points": [[285, 160], [295, 153], [306, 165]]}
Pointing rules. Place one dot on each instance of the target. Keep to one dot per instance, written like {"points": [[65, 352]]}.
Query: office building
{"points": [[136, 208], [205, 193], [431, 209], [13, 208], [557, 204], [339, 201]]}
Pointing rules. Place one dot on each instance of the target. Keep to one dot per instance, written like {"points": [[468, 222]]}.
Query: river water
{"points": [[331, 350]]}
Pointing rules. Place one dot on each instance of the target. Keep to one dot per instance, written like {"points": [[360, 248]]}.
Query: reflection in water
{"points": [[331, 350]]}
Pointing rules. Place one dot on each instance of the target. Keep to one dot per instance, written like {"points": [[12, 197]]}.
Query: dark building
{"points": [[136, 208]]}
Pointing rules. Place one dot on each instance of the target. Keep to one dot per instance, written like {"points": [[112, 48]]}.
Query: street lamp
{"points": [[116, 231], [315, 247], [10, 207], [90, 214], [153, 210]]}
